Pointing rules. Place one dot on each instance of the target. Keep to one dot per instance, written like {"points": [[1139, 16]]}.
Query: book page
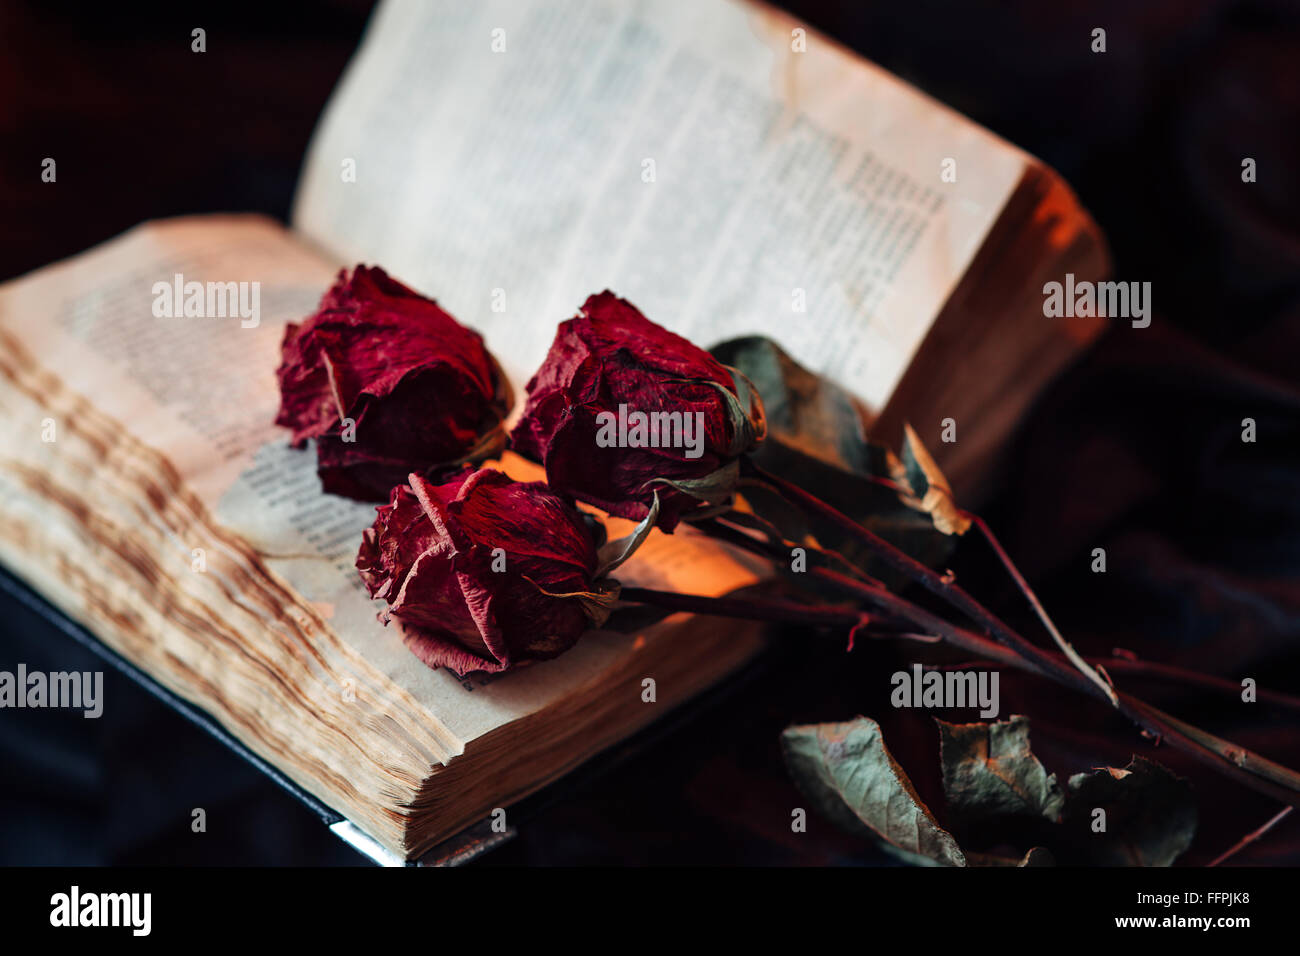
{"points": [[201, 390], [719, 165]]}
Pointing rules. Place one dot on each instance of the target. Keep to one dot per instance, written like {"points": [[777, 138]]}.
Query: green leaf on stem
{"points": [[989, 771], [854, 781]]}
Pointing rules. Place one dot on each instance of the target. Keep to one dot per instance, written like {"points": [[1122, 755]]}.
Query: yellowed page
{"points": [[722, 167], [202, 392]]}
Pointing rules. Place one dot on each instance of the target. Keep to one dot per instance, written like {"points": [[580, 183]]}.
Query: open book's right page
{"points": [[723, 167]]}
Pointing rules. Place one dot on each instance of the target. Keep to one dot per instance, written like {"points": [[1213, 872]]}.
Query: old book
{"points": [[717, 164]]}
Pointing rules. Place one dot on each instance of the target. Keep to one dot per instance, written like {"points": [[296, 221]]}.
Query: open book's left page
{"points": [[147, 491]]}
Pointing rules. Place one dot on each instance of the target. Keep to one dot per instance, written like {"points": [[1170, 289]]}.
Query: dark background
{"points": [[1136, 450]]}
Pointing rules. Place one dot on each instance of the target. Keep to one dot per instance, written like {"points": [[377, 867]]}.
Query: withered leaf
{"points": [[990, 771], [930, 488], [853, 780], [1036, 856], [808, 412], [816, 438], [1150, 814]]}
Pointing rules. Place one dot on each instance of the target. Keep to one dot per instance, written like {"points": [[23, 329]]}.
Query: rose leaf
{"points": [[989, 771], [1150, 815], [854, 781]]}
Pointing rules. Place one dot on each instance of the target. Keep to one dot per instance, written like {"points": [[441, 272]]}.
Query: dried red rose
{"points": [[484, 573], [623, 410], [388, 383]]}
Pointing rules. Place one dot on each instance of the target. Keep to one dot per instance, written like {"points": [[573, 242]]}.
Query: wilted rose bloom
{"points": [[432, 555], [388, 383], [616, 385]]}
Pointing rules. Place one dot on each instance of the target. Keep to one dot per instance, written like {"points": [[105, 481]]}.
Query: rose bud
{"points": [[635, 420], [388, 383], [484, 573]]}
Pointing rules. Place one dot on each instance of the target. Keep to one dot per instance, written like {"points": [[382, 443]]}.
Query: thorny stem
{"points": [[719, 527], [940, 585], [1241, 764], [1165, 672], [1011, 569], [1259, 772], [1237, 762]]}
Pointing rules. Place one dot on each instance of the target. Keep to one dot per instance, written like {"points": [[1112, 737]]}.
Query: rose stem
{"points": [[1011, 569], [722, 530], [1251, 837], [899, 560], [1166, 672], [1100, 679], [1250, 768], [749, 609], [1241, 764], [774, 533]]}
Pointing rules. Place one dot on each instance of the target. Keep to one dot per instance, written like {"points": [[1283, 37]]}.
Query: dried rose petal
{"points": [[431, 555], [422, 391], [609, 356]]}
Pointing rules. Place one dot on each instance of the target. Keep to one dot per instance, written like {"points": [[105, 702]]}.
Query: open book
{"points": [[723, 168]]}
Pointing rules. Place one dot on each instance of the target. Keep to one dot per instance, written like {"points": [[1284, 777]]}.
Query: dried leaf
{"points": [[597, 603], [715, 488], [1037, 856], [933, 495], [1150, 814], [744, 408], [989, 771], [853, 780], [807, 411], [612, 554], [817, 439]]}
